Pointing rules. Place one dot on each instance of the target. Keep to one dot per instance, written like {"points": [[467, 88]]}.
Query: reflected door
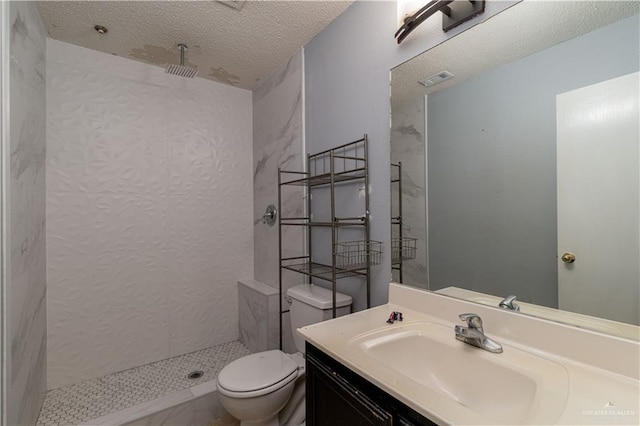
{"points": [[598, 156]]}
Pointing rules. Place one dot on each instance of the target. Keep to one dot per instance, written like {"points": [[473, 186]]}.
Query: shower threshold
{"points": [[138, 393]]}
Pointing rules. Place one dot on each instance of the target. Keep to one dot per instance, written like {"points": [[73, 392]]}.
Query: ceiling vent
{"points": [[437, 78], [236, 4]]}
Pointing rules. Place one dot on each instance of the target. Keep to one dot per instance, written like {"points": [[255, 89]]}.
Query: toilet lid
{"points": [[257, 371]]}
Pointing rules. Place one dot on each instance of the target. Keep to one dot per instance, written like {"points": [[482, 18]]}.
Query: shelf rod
{"points": [[295, 258], [399, 220], [324, 179], [293, 173], [348, 157], [360, 218], [280, 256], [290, 182], [326, 224], [310, 224], [357, 169], [310, 274], [367, 229], [336, 148], [334, 233]]}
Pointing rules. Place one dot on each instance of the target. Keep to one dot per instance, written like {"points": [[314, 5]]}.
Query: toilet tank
{"points": [[311, 304]]}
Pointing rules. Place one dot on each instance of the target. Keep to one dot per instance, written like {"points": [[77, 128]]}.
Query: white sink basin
{"points": [[513, 387]]}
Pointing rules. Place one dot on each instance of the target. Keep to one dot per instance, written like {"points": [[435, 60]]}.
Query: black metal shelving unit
{"points": [[334, 169], [396, 261], [402, 247]]}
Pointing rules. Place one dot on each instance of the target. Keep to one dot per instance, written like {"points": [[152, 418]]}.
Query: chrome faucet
{"points": [[473, 334], [509, 303]]}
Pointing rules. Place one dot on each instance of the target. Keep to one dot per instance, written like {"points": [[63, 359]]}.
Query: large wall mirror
{"points": [[515, 164]]}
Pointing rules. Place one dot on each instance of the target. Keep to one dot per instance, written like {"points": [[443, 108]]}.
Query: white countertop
{"points": [[602, 371]]}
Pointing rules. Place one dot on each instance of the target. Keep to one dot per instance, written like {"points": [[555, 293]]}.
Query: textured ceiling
{"points": [[523, 29], [237, 47]]}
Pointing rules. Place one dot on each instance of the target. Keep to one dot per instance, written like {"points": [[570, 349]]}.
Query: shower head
{"points": [[181, 70]]}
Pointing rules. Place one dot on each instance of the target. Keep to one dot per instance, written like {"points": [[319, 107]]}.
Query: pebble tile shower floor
{"points": [[80, 402]]}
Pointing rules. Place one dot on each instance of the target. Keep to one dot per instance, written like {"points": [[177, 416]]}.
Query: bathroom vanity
{"points": [[337, 395], [415, 371]]}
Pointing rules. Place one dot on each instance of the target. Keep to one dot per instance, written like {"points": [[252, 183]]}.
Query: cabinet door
{"points": [[333, 401]]}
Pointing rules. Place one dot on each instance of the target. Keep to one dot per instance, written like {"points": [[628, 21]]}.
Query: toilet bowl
{"points": [[267, 388], [256, 388]]}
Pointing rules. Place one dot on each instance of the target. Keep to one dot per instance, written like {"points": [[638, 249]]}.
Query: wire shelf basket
{"points": [[403, 249], [353, 254]]}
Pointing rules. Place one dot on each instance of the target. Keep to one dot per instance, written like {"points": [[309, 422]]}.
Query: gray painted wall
{"points": [[347, 94], [492, 165]]}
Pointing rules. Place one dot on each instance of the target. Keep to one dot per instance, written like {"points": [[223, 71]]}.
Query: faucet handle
{"points": [[473, 321], [509, 303]]}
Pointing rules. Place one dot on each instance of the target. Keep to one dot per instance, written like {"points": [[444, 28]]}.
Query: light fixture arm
{"points": [[454, 14]]}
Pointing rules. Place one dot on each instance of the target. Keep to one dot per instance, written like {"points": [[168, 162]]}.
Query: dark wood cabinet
{"points": [[337, 396]]}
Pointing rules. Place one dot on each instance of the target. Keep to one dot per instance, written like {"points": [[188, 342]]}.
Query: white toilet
{"points": [[267, 388]]}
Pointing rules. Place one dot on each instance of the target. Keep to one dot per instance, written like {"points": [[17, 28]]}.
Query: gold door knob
{"points": [[568, 257]]}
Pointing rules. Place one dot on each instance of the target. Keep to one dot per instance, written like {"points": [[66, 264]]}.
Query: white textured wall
{"points": [[149, 210], [24, 310]]}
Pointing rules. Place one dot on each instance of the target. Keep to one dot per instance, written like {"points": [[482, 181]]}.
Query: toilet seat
{"points": [[257, 374]]}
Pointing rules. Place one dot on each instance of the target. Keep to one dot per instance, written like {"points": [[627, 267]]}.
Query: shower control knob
{"points": [[269, 216], [568, 257]]}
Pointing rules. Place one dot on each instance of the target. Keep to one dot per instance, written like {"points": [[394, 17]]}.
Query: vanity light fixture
{"points": [[454, 13]]}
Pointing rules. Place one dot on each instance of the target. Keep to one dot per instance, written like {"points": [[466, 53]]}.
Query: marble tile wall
{"points": [[25, 309], [408, 147], [149, 212], [278, 142], [258, 315]]}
